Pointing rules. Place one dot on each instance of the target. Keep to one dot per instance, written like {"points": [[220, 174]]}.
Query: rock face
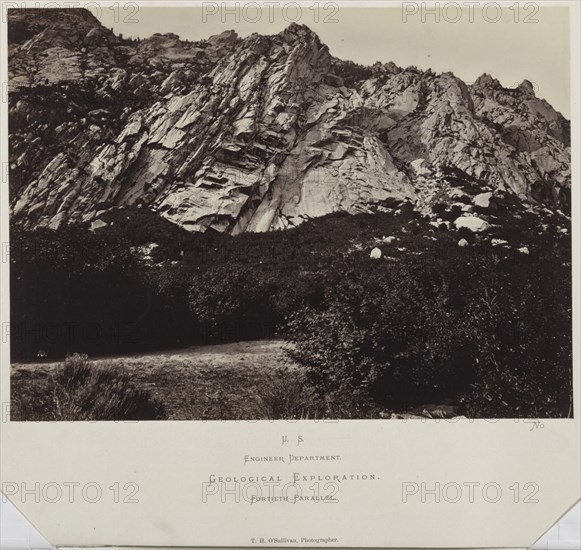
{"points": [[254, 134]]}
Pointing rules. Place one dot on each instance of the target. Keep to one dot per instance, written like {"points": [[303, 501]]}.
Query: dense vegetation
{"points": [[486, 327], [496, 332]]}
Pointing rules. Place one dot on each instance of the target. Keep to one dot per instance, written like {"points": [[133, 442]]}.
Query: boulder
{"points": [[482, 200], [524, 250], [96, 37], [473, 223], [97, 224], [462, 243], [375, 254], [498, 242]]}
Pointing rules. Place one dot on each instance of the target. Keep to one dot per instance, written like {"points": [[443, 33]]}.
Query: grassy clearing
{"points": [[221, 382]]}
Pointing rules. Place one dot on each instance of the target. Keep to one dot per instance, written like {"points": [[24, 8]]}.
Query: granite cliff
{"points": [[258, 133]]}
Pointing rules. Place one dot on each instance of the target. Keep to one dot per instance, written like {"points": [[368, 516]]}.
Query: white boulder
{"points": [[462, 243], [97, 224], [375, 254], [475, 224], [524, 250], [498, 242], [482, 200]]}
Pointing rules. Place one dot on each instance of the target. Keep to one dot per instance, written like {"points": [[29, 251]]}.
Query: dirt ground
{"points": [[209, 382]]}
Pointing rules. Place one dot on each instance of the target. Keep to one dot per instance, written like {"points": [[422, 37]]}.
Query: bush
{"points": [[387, 337], [520, 324], [80, 390], [234, 303], [71, 290], [288, 396], [493, 334]]}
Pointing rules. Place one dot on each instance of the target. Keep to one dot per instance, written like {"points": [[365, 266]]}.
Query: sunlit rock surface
{"points": [[255, 134]]}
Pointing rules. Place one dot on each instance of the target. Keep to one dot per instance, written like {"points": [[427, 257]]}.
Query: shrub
{"points": [[31, 396], [288, 396], [520, 324], [74, 291], [234, 303], [491, 333], [80, 390], [388, 337]]}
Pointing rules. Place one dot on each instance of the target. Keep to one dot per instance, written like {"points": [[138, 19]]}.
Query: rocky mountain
{"points": [[259, 133]]}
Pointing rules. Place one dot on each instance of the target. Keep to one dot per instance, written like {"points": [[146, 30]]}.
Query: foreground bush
{"points": [[288, 396], [387, 337], [493, 335], [80, 390], [520, 326]]}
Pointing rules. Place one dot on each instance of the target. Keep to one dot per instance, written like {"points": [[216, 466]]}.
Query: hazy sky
{"points": [[509, 49]]}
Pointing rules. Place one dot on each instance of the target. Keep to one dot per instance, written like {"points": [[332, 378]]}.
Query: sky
{"points": [[511, 44]]}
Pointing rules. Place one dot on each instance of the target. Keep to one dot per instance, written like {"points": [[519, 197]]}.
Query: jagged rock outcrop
{"points": [[255, 134]]}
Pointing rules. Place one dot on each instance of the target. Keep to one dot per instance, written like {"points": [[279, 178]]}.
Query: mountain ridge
{"points": [[257, 133]]}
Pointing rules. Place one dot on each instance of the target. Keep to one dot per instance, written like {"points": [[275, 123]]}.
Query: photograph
{"points": [[343, 215]]}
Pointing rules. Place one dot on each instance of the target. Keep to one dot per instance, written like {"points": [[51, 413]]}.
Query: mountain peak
{"points": [[24, 24], [297, 31], [487, 81], [526, 87], [225, 36]]}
